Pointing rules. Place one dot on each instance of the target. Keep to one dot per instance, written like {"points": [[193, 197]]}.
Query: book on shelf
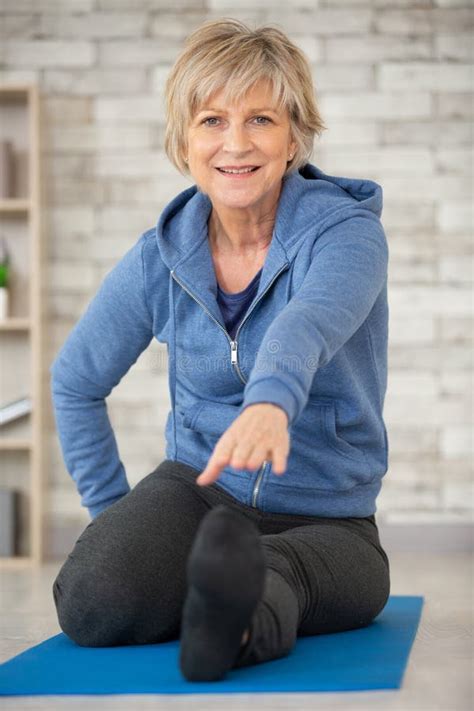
{"points": [[14, 409], [9, 508]]}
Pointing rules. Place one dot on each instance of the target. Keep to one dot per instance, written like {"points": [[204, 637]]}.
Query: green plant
{"points": [[4, 263]]}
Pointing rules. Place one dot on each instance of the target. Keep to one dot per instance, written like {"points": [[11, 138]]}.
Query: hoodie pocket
{"points": [[211, 418], [333, 438], [317, 427], [320, 458]]}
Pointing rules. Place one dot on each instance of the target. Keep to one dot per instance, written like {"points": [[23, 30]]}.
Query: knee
{"points": [[378, 597], [383, 591], [67, 613], [83, 615], [70, 612]]}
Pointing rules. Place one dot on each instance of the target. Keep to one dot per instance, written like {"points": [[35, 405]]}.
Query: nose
{"points": [[236, 140]]}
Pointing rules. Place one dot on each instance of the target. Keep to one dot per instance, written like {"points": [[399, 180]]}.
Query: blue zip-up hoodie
{"points": [[313, 341]]}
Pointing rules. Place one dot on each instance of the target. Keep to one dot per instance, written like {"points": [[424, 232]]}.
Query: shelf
{"points": [[12, 91], [22, 440], [10, 206], [14, 444], [16, 561], [15, 324]]}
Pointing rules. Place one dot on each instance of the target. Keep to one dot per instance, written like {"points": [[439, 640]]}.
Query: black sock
{"points": [[225, 575]]}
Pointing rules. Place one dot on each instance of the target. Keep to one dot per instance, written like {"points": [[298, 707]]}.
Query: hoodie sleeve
{"points": [[115, 328], [347, 272]]}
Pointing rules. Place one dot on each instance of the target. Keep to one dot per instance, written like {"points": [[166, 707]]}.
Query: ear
{"points": [[184, 153], [292, 146]]}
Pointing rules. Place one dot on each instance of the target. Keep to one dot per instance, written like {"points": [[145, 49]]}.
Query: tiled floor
{"points": [[438, 674]]}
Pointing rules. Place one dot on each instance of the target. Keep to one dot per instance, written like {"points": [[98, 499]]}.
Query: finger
{"points": [[241, 455], [279, 461], [258, 455], [213, 468]]}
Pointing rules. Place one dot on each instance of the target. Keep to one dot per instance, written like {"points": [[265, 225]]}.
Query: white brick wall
{"points": [[394, 79]]}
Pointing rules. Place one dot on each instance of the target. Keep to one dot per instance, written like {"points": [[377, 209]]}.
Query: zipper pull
{"points": [[233, 352]]}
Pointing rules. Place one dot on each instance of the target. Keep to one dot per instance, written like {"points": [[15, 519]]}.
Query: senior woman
{"points": [[267, 281]]}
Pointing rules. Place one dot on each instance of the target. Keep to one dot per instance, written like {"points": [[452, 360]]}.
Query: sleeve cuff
{"points": [[273, 391]]}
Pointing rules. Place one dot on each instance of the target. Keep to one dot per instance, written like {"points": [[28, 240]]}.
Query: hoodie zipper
{"points": [[233, 344], [233, 356], [257, 484]]}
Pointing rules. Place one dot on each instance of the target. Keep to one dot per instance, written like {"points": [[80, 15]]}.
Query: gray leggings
{"points": [[125, 580]]}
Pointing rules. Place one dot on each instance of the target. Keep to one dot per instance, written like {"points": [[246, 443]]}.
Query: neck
{"points": [[243, 239]]}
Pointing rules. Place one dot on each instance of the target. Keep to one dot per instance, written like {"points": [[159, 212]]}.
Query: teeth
{"points": [[245, 170]]}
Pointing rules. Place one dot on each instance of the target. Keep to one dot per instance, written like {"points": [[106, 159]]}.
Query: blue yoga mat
{"points": [[372, 657]]}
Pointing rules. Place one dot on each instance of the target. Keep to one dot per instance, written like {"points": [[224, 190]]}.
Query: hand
{"points": [[259, 433]]}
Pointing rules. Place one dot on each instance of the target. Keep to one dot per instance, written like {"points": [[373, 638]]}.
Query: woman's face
{"points": [[250, 134]]}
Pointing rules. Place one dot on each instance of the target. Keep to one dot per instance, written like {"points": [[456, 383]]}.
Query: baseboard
{"points": [[427, 538]]}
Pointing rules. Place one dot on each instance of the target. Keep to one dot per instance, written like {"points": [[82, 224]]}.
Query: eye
{"points": [[214, 118]]}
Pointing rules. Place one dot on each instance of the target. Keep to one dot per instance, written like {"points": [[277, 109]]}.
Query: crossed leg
{"points": [[124, 582], [320, 578]]}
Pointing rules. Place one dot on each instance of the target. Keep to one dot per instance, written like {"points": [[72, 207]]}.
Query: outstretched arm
{"points": [[347, 272]]}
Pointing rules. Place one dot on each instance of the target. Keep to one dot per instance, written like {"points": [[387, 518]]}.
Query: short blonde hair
{"points": [[227, 54]]}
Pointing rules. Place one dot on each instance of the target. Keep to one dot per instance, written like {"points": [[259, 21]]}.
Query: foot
{"points": [[225, 574]]}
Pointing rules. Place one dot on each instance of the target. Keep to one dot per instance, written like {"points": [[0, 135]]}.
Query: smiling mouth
{"points": [[239, 175]]}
